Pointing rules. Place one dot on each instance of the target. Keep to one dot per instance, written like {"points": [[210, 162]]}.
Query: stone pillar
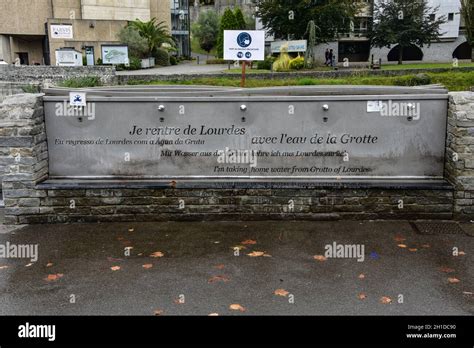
{"points": [[24, 154], [460, 152]]}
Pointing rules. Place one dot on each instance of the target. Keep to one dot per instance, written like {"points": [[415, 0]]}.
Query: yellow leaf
{"points": [[385, 300], [413, 249], [249, 242], [453, 280], [237, 307], [320, 258], [256, 254], [401, 245], [157, 254], [115, 268], [281, 292]]}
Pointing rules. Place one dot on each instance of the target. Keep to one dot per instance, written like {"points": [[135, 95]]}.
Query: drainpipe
{"points": [[12, 54]]}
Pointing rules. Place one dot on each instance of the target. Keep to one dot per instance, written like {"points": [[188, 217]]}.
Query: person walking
{"points": [[326, 61]]}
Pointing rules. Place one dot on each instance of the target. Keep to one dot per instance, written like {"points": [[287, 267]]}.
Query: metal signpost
{"points": [[245, 46]]}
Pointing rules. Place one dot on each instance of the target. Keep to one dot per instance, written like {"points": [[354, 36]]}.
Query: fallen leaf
{"points": [[54, 277], [218, 279], [399, 238], [361, 276], [158, 312], [147, 266], [453, 280], [131, 230], [461, 253], [385, 300], [221, 266], [267, 255], [467, 292], [413, 249], [362, 296], [256, 254], [49, 265], [3, 267], [237, 307], [401, 245], [249, 242], [281, 292], [29, 265], [115, 268], [425, 246], [447, 269], [320, 258], [239, 247], [213, 315], [157, 254]]}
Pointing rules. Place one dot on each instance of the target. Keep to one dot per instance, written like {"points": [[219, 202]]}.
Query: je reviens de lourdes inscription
{"points": [[214, 138]]}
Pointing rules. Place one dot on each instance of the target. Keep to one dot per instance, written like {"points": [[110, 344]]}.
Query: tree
{"points": [[406, 23], [228, 22], [137, 46], [206, 30], [311, 38], [239, 19], [155, 34], [290, 18], [467, 12]]}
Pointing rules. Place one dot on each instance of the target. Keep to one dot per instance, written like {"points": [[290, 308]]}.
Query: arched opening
{"points": [[463, 51], [411, 52]]}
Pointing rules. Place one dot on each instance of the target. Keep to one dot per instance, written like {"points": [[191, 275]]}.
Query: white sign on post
{"points": [[78, 99], [244, 45]]}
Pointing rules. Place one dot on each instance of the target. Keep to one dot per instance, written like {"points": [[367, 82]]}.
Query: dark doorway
{"points": [[463, 51], [358, 51], [24, 59], [409, 53]]}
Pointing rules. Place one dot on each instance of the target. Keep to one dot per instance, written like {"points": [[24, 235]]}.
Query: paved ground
{"points": [[199, 267], [184, 68]]}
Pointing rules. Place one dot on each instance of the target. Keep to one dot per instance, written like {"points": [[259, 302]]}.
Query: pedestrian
{"points": [[326, 61], [331, 58]]}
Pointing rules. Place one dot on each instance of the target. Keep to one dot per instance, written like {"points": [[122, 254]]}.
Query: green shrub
{"points": [[162, 57], [82, 82], [99, 61], [266, 64], [30, 89], [413, 80], [135, 63], [297, 63], [216, 61], [173, 60]]}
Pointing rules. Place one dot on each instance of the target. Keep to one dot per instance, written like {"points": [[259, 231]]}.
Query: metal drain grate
{"points": [[441, 227]]}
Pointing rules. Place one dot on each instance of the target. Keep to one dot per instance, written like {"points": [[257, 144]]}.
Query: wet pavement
{"points": [[198, 271]]}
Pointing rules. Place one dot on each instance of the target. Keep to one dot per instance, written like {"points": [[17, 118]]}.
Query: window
{"points": [[450, 16]]}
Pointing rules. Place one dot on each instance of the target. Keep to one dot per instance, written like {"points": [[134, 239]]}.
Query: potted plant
{"points": [[155, 34]]}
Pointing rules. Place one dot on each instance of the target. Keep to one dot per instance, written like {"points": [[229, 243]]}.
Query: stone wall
{"points": [[460, 152], [28, 199], [23, 152], [52, 75]]}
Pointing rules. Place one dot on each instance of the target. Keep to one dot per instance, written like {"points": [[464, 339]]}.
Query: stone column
{"points": [[24, 154], [460, 152]]}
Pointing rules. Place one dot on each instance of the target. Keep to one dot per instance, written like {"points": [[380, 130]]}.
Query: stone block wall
{"points": [[52, 75], [28, 199], [460, 152]]}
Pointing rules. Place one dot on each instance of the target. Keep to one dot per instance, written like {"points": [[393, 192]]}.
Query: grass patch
{"points": [[453, 81], [82, 82], [424, 66]]}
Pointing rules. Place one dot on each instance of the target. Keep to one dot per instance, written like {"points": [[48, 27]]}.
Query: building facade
{"points": [[355, 45], [180, 26], [84, 25]]}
